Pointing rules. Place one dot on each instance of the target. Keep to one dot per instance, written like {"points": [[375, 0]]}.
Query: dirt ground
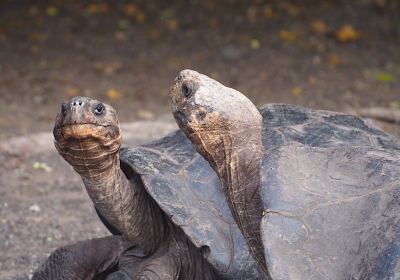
{"points": [[335, 55]]}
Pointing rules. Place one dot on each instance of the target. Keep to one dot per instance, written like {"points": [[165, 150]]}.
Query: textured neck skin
{"points": [[236, 158], [124, 203], [128, 207], [87, 135]]}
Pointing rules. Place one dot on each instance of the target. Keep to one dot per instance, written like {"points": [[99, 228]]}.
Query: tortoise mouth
{"points": [[181, 117], [82, 131]]}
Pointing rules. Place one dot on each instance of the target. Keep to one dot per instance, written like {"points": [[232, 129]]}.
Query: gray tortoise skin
{"points": [[188, 190]]}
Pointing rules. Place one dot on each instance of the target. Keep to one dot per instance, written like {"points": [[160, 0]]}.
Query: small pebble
{"points": [[34, 208]]}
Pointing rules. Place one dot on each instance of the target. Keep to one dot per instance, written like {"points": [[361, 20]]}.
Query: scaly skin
{"points": [[226, 129], [91, 144], [83, 260], [87, 135]]}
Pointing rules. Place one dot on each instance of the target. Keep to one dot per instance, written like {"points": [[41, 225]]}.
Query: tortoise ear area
{"points": [[200, 115], [113, 132]]}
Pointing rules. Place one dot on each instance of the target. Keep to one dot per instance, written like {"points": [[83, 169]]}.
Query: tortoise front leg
{"points": [[83, 260]]}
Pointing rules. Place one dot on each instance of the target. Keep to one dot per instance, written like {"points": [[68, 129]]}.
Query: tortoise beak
{"points": [[181, 117]]}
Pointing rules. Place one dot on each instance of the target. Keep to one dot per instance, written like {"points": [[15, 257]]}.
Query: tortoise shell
{"points": [[331, 196], [189, 191]]}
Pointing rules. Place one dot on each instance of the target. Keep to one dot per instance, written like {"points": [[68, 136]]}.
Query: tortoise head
{"points": [[86, 126], [207, 110]]}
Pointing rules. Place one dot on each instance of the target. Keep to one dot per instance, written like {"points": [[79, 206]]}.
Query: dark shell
{"points": [[285, 123], [188, 190], [332, 200]]}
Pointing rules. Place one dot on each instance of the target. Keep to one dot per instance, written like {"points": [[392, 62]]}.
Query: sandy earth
{"points": [[128, 57]]}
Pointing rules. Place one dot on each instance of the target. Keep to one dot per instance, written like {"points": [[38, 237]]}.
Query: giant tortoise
{"points": [[315, 193], [161, 201]]}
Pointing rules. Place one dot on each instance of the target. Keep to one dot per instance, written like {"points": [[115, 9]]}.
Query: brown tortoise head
{"points": [[82, 117], [203, 104], [86, 128], [207, 110]]}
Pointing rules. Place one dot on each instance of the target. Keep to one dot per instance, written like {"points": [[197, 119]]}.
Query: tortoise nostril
{"points": [[78, 102]]}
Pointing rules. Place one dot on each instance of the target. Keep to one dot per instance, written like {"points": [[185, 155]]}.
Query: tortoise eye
{"points": [[186, 91], [99, 109]]}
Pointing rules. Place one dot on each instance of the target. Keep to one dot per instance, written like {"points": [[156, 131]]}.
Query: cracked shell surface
{"points": [[331, 196]]}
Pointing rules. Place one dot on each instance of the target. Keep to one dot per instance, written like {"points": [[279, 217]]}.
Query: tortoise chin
{"points": [[102, 133]]}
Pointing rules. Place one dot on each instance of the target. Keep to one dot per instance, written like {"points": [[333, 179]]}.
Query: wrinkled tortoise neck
{"points": [[91, 159], [236, 157], [124, 203]]}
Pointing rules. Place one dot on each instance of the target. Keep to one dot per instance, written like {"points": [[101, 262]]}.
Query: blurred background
{"points": [[326, 54]]}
